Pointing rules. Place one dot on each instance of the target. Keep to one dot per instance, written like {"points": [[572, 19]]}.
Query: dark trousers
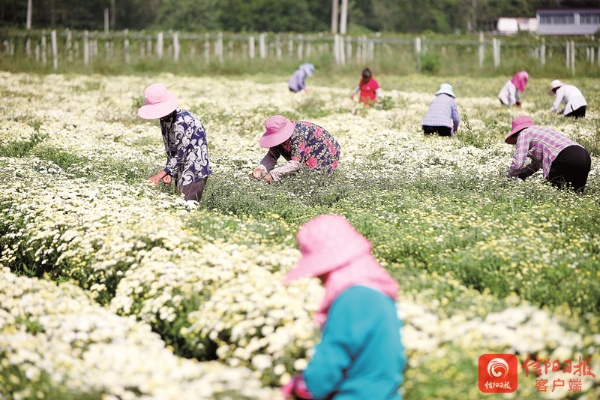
{"points": [[579, 113], [194, 190], [440, 130], [571, 167]]}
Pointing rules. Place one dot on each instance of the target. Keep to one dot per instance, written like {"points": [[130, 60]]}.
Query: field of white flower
{"points": [[111, 288]]}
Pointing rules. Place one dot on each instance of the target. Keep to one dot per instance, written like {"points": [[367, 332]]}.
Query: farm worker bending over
{"points": [[360, 355], [561, 159], [509, 94], [569, 95], [185, 142], [302, 144], [368, 87], [297, 81], [442, 117]]}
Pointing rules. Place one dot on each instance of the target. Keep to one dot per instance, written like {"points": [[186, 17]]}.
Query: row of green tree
{"points": [[445, 16]]}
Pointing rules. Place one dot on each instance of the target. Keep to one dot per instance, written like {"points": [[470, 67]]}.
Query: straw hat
{"points": [[518, 124], [327, 243], [158, 102], [446, 88], [278, 130]]}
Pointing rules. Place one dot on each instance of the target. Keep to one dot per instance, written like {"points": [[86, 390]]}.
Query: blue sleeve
{"points": [[344, 332], [455, 116]]}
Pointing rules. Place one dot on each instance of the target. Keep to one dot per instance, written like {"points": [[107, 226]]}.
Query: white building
{"points": [[509, 26], [568, 21]]}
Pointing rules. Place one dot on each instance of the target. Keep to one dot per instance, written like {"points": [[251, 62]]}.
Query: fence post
{"points": [[262, 47], [126, 46], [206, 49], [567, 55], [496, 47], [363, 50], [300, 47], [44, 48], [481, 50], [278, 47], [308, 49], [543, 52], [149, 46], [573, 54], [176, 46], [54, 50], [418, 53], [348, 48], [336, 54], [251, 47], [86, 48], [69, 46], [219, 47], [159, 45]]}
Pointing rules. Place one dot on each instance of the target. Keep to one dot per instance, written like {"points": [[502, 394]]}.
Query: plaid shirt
{"points": [[442, 112], [542, 146]]}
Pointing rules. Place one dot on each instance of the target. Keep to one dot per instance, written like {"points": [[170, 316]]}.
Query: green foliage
{"points": [[20, 148], [272, 15], [482, 140], [13, 382], [387, 103], [430, 63]]}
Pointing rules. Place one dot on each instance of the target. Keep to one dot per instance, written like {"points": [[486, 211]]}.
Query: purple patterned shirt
{"points": [[542, 146], [186, 147], [442, 112], [297, 81]]}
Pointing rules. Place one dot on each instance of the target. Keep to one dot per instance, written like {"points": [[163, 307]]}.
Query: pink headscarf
{"points": [[332, 247], [520, 80], [363, 271]]}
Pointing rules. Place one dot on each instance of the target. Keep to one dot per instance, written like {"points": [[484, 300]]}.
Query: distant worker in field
{"points": [[185, 142], [368, 87], [563, 161], [571, 96], [303, 144], [297, 82], [360, 355], [509, 95], [442, 117]]}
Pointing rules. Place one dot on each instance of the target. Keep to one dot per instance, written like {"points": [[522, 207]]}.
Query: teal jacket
{"points": [[360, 355]]}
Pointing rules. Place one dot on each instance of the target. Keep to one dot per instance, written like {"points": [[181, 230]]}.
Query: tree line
{"points": [[410, 16]]}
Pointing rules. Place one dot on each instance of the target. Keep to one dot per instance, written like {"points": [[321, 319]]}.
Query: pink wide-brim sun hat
{"points": [[518, 124], [158, 102], [278, 129], [327, 242]]}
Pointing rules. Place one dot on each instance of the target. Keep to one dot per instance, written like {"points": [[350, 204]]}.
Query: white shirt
{"points": [[569, 95], [508, 94]]}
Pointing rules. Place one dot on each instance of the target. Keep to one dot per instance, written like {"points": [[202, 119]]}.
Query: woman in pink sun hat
{"points": [[185, 142], [509, 94], [303, 144], [562, 160], [360, 355]]}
